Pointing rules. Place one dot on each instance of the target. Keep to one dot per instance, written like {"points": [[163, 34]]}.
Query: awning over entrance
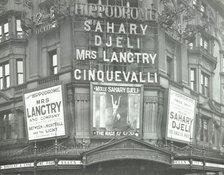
{"points": [[127, 148]]}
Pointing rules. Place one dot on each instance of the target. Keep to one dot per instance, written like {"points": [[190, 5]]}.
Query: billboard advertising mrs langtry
{"points": [[45, 113]]}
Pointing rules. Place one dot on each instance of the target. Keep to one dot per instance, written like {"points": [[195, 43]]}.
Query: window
{"points": [[53, 62], [204, 43], [7, 126], [4, 31], [193, 79], [190, 45], [205, 84], [170, 68], [19, 69], [194, 2], [19, 31], [223, 63], [4, 76], [203, 8], [203, 124]]}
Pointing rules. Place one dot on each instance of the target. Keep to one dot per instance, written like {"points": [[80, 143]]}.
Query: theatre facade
{"points": [[111, 87]]}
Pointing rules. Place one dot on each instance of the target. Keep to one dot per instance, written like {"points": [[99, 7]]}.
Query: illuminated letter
{"points": [[98, 40], [104, 56], [109, 44], [100, 10], [145, 58], [119, 39], [128, 43], [76, 72], [143, 28], [80, 55], [117, 75], [93, 55], [121, 29], [134, 11], [117, 12], [100, 75], [153, 58], [107, 11], [109, 76], [110, 27], [98, 27], [133, 28], [92, 9]]}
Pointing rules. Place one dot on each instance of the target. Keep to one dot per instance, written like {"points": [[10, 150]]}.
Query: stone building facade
{"points": [[111, 87]]}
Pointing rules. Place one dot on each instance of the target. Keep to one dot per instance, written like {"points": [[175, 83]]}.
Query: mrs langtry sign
{"points": [[44, 113]]}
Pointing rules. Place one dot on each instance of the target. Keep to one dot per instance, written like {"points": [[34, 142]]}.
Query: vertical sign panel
{"points": [[181, 117], [116, 109], [44, 113]]}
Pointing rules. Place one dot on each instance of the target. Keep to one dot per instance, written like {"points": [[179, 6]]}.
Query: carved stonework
{"points": [[82, 143], [3, 2], [18, 1], [127, 148], [150, 99], [4, 98], [81, 97]]}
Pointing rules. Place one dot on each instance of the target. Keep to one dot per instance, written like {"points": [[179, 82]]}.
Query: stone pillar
{"points": [[70, 113], [150, 116]]}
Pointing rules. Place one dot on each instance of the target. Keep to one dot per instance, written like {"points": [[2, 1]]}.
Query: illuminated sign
{"points": [[41, 164], [70, 162], [119, 35], [111, 11], [47, 27], [46, 163], [197, 163], [214, 165], [19, 165], [180, 121], [45, 21], [45, 113], [181, 162], [116, 109]]}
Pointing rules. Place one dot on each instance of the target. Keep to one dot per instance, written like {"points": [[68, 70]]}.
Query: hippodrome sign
{"points": [[110, 11]]}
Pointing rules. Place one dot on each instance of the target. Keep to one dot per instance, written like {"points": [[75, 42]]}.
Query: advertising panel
{"points": [[116, 109], [181, 116], [45, 113]]}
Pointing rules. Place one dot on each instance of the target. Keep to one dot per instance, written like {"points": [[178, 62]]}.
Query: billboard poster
{"points": [[44, 113], [181, 116], [116, 109]]}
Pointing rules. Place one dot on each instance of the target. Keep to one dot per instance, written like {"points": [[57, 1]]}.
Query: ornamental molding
{"points": [[126, 148]]}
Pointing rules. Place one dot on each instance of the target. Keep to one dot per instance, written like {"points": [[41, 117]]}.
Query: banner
{"points": [[116, 109], [45, 113], [181, 117]]}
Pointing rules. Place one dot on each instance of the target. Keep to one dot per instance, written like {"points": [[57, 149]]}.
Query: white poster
{"points": [[181, 111], [44, 113]]}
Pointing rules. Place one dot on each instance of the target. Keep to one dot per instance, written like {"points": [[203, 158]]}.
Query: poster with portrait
{"points": [[116, 109]]}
